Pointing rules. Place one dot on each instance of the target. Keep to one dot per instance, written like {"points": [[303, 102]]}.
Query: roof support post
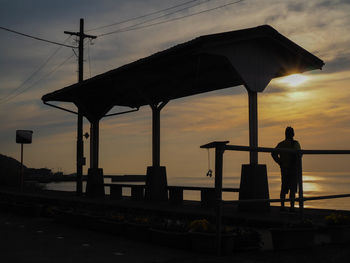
{"points": [[253, 125], [155, 137], [156, 132], [156, 180]]}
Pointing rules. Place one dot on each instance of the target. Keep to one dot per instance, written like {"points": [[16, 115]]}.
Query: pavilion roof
{"points": [[204, 64]]}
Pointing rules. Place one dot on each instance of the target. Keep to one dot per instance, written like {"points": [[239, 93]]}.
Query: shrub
{"points": [[199, 225], [337, 219]]}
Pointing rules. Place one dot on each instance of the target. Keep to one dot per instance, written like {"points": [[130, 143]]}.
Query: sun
{"points": [[293, 80]]}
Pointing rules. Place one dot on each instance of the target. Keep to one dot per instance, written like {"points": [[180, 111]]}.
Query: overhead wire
{"points": [[136, 27], [142, 16], [36, 82], [35, 72], [155, 18], [89, 44], [37, 38]]}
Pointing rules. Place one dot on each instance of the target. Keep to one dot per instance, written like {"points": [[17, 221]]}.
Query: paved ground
{"points": [[38, 239], [25, 239], [34, 239]]}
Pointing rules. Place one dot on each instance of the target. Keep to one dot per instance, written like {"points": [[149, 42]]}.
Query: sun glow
{"points": [[293, 80], [311, 183], [299, 95]]}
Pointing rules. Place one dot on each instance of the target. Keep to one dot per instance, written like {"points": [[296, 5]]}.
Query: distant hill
{"points": [[9, 170]]}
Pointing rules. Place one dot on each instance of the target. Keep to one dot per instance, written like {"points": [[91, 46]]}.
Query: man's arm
{"points": [[275, 156], [299, 156]]}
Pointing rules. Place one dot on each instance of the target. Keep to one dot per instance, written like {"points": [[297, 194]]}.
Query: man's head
{"points": [[289, 132]]}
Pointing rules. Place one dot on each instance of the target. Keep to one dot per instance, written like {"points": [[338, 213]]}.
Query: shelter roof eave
{"points": [[186, 69]]}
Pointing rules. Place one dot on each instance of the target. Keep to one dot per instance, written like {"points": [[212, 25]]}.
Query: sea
{"points": [[315, 184]]}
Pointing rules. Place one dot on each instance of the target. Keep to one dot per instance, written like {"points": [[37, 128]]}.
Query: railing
{"points": [[220, 148]]}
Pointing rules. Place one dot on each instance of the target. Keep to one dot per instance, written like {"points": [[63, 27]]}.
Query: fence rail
{"points": [[311, 198], [270, 150]]}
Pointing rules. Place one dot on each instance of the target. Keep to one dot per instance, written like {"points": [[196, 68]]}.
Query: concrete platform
{"points": [[189, 209], [37, 239]]}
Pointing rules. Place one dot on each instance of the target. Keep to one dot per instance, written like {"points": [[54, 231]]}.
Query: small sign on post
{"points": [[23, 137]]}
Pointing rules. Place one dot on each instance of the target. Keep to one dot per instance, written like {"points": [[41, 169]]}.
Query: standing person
{"points": [[289, 165]]}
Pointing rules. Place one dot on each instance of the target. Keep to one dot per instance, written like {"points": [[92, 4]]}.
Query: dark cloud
{"points": [[271, 89], [296, 7], [274, 18], [329, 3], [338, 64], [269, 123], [22, 12]]}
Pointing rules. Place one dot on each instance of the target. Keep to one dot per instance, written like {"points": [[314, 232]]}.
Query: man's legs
{"points": [[283, 197], [284, 190], [292, 200]]}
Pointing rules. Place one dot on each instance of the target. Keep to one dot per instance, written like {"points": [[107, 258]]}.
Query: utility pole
{"points": [[80, 143]]}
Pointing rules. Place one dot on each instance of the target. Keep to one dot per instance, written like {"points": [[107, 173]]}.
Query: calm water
{"points": [[315, 184]]}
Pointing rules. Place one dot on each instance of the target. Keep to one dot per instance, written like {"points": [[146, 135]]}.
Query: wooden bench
{"points": [[176, 196], [128, 178], [137, 192], [116, 191], [207, 194]]}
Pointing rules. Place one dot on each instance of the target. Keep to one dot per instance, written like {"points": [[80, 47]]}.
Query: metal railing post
{"points": [[219, 152], [300, 183]]}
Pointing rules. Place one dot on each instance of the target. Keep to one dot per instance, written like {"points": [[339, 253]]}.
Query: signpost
{"points": [[23, 137]]}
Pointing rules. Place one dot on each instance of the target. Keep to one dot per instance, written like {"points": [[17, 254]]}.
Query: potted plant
{"points": [[170, 232], [137, 227], [203, 237], [338, 227], [247, 239], [295, 235], [114, 223]]}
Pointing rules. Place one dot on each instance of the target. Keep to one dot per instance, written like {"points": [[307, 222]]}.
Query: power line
{"points": [[178, 18], [131, 28], [37, 38], [35, 72], [45, 76], [89, 57], [158, 17], [142, 16], [125, 29]]}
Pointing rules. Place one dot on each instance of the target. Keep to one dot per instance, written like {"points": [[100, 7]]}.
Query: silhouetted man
{"points": [[289, 164]]}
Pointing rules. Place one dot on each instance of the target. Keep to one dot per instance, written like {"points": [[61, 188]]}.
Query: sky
{"points": [[317, 105]]}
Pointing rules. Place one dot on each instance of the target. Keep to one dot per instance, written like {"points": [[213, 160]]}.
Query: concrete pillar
{"points": [[156, 180], [94, 186], [155, 136], [253, 124]]}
